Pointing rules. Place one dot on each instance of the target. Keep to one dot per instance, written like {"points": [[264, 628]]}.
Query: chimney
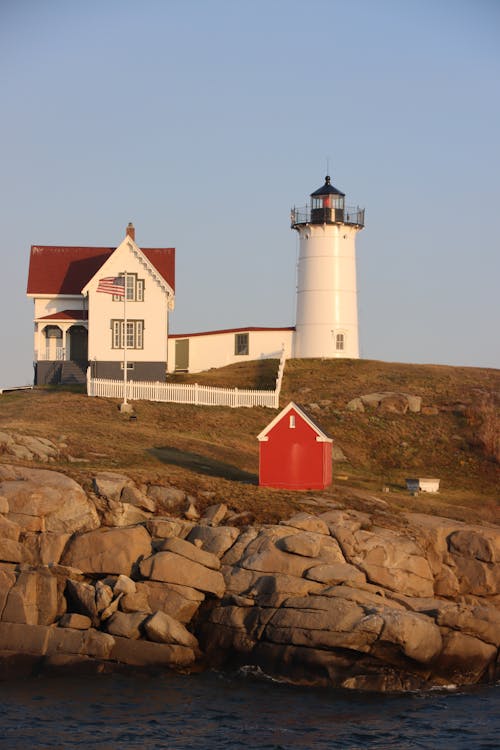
{"points": [[131, 231]]}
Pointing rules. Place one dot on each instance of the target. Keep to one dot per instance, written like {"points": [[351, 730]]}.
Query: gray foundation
{"points": [[152, 371]]}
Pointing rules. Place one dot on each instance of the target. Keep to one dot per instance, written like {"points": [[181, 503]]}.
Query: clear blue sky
{"points": [[203, 122]]}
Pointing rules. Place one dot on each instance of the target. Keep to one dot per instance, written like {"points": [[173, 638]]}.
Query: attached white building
{"points": [[195, 352]]}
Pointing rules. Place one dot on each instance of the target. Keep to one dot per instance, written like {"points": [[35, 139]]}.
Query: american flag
{"points": [[112, 285]]}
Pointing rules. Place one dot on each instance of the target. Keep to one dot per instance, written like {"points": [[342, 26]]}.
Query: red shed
{"points": [[294, 452]]}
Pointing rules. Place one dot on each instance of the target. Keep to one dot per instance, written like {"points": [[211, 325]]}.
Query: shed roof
{"points": [[66, 270], [321, 436]]}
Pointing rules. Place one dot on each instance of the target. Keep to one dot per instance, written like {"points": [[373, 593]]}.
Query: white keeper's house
{"points": [[79, 322]]}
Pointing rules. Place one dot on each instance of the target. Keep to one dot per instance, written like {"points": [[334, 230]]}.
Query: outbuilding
{"points": [[294, 453]]}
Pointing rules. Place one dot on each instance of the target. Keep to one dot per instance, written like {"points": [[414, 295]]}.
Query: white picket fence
{"points": [[187, 393]]}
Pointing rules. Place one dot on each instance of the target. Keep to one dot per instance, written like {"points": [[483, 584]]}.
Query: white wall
{"points": [[48, 305], [153, 311], [217, 349], [326, 291]]}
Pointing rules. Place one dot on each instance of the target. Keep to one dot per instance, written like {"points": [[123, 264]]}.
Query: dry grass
{"points": [[382, 448]]}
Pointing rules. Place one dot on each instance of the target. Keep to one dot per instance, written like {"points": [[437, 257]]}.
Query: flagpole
{"points": [[125, 342]]}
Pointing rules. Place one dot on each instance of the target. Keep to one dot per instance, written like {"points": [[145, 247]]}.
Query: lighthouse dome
{"points": [[327, 189]]}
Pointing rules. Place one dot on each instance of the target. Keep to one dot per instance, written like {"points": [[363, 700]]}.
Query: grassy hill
{"points": [[212, 452]]}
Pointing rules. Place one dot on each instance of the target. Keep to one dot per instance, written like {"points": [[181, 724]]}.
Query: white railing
{"points": [[187, 393], [49, 355]]}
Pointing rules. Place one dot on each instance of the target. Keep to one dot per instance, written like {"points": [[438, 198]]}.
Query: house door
{"points": [[182, 354], [78, 349]]}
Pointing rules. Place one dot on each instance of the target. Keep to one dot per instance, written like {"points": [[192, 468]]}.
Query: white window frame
{"points": [[135, 334], [134, 289]]}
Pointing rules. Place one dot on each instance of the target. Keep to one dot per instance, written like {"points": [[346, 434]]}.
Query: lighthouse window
{"points": [[340, 342], [241, 343]]}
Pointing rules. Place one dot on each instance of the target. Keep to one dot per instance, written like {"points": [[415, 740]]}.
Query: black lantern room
{"points": [[327, 204]]}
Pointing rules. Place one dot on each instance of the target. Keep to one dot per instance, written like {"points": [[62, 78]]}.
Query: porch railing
{"points": [[48, 354]]}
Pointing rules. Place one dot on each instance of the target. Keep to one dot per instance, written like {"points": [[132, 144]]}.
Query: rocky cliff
{"points": [[342, 597]]}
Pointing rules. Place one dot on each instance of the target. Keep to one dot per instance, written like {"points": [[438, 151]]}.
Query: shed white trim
{"points": [[321, 437]]}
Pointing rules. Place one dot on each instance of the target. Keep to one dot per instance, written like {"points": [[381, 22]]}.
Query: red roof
{"points": [[67, 315], [66, 270], [228, 330]]}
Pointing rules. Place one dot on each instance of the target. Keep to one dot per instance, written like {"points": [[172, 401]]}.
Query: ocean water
{"points": [[221, 711]]}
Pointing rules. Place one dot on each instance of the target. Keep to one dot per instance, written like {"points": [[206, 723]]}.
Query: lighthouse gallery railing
{"points": [[348, 215]]}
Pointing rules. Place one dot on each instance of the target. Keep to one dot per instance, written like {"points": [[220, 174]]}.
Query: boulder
{"points": [[394, 404], [132, 495], [124, 585], [23, 638], [236, 551], [355, 404], [42, 449], [123, 514], [126, 624], [163, 528], [7, 581], [304, 543], [162, 628], [180, 602], [110, 484], [216, 540], [33, 599], [389, 559], [464, 659], [214, 515], [47, 548], [416, 635], [103, 596], [35, 494], [136, 602], [172, 568], [263, 554], [308, 522], [14, 552], [321, 622], [335, 573], [165, 498], [108, 551], [191, 552], [480, 544], [190, 510], [81, 598], [141, 653], [86, 642], [8, 529], [475, 577], [75, 621]]}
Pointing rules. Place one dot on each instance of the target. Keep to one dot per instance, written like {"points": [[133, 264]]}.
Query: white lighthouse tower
{"points": [[327, 313]]}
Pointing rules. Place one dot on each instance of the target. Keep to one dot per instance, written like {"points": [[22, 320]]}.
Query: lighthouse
{"points": [[327, 313]]}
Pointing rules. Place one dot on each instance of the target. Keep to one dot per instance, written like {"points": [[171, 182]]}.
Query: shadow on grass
{"points": [[202, 464]]}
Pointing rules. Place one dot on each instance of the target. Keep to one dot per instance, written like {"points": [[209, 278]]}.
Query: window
{"points": [[340, 342], [291, 423], [135, 334], [241, 343], [130, 366], [135, 289], [53, 332]]}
